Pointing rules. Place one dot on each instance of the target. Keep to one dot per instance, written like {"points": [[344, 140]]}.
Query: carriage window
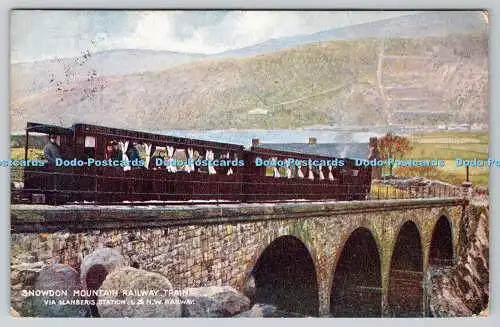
{"points": [[224, 156], [180, 157], [269, 170], [201, 155], [89, 141], [90, 146]]}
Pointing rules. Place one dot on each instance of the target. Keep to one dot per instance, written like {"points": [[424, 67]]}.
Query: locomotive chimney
{"points": [[312, 140], [255, 142]]}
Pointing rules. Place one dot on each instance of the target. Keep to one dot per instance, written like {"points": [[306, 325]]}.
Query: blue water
{"points": [[244, 137]]}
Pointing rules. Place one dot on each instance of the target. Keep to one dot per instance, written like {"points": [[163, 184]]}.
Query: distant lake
{"points": [[244, 137]]}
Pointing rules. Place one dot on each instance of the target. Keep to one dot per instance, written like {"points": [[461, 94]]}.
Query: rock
{"points": [[22, 277], [58, 281], [463, 290], [418, 184], [97, 265], [485, 313], [249, 289], [214, 301], [130, 279], [260, 310], [13, 313], [23, 258]]}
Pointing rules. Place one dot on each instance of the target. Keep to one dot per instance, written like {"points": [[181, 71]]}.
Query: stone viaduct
{"points": [[366, 258]]}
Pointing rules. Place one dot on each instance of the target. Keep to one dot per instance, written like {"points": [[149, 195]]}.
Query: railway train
{"points": [[187, 172]]}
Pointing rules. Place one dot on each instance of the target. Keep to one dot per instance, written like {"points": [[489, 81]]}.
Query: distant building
{"points": [[258, 111], [339, 150]]}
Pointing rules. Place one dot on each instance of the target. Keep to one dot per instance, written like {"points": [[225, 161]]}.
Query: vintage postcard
{"points": [[249, 163]]}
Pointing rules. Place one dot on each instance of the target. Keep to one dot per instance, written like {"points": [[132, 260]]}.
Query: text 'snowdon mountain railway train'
{"points": [[183, 174]]}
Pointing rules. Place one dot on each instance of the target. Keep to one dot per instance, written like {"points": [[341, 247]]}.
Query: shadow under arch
{"points": [[285, 276], [405, 298], [441, 250], [94, 279], [357, 280]]}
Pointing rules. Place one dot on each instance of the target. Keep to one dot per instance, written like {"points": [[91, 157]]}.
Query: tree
{"points": [[392, 146]]}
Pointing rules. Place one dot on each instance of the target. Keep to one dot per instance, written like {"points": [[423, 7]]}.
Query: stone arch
{"points": [[356, 288], [405, 295], [400, 225], [441, 251], [285, 276]]}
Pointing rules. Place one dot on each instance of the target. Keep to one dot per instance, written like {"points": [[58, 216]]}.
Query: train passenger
{"points": [[117, 153], [109, 152], [161, 155], [224, 169], [51, 151], [180, 158], [132, 152]]}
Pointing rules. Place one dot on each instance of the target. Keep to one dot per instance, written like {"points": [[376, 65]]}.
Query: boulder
{"points": [[128, 280], [22, 277], [260, 310], [55, 285], [463, 290], [214, 301], [13, 313], [249, 288], [97, 265]]}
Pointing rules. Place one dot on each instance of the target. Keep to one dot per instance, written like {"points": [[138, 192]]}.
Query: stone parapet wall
{"points": [[216, 245]]}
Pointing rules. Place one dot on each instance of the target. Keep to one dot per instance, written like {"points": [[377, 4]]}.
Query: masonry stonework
{"points": [[220, 245]]}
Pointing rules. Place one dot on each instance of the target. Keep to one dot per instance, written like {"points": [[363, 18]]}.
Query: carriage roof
{"points": [[132, 134], [48, 129]]}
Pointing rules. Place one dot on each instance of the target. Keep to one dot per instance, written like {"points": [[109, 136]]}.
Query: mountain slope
{"points": [[422, 24], [322, 83], [28, 78]]}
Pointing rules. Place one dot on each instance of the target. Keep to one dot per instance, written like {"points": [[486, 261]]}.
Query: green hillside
{"points": [[323, 83]]}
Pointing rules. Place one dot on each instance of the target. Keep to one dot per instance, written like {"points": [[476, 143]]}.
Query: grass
{"points": [[448, 146], [446, 151], [451, 137], [387, 192], [18, 154]]}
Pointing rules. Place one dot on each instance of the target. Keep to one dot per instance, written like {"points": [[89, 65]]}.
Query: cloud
{"points": [[236, 29], [153, 30], [46, 34]]}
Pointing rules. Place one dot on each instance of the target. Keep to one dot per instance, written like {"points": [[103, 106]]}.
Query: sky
{"points": [[39, 35]]}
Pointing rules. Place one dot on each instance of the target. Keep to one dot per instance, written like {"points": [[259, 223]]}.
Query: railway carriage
{"points": [[301, 176], [179, 177]]}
